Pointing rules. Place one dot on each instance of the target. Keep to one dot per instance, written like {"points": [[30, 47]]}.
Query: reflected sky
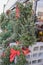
{"points": [[40, 5], [2, 2]]}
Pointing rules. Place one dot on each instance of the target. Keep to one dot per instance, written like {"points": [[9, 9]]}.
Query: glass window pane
{"points": [[41, 54], [28, 56], [39, 60], [34, 61], [41, 47], [35, 48], [35, 55]]}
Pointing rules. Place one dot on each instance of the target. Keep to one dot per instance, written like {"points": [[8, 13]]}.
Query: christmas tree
{"points": [[18, 26]]}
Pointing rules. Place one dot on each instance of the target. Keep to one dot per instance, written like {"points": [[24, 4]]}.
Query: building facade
{"points": [[35, 57]]}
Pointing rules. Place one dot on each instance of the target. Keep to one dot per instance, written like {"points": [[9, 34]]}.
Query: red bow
{"points": [[13, 53], [25, 51]]}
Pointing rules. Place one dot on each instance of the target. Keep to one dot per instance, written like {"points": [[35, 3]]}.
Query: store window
{"points": [[41, 47], [40, 60], [41, 54], [35, 55], [35, 48], [35, 61], [28, 56]]}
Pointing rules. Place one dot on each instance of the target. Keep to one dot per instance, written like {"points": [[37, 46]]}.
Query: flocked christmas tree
{"points": [[18, 26]]}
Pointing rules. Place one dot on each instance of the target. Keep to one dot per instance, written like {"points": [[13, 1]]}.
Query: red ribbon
{"points": [[25, 51], [13, 53], [17, 12]]}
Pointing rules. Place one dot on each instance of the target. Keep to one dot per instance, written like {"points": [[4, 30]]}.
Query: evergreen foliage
{"points": [[18, 29]]}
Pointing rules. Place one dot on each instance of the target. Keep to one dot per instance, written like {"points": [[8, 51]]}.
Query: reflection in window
{"points": [[35, 48], [39, 60], [28, 56], [41, 47], [34, 61], [35, 55], [41, 54]]}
